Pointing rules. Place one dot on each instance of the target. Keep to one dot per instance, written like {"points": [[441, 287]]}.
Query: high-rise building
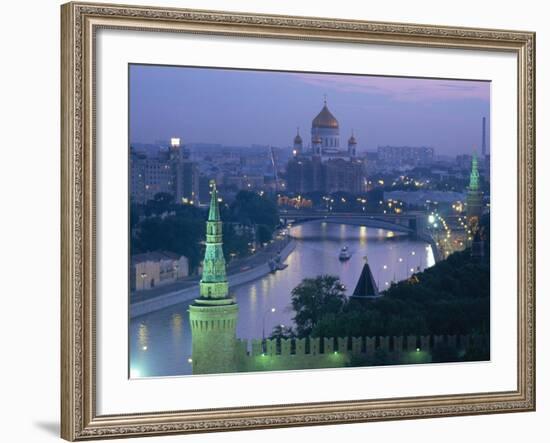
{"points": [[399, 156], [352, 146], [305, 174], [213, 315], [168, 171], [344, 176], [149, 175], [186, 174]]}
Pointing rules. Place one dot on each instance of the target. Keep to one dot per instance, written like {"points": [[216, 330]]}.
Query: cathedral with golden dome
{"points": [[325, 138], [324, 166]]}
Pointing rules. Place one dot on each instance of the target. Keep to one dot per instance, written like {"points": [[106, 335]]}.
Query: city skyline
{"points": [[319, 256], [200, 106]]}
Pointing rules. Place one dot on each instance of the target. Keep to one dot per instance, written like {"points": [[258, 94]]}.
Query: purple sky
{"points": [[236, 107]]}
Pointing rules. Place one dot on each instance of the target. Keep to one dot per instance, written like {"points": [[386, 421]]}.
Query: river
{"points": [[160, 342]]}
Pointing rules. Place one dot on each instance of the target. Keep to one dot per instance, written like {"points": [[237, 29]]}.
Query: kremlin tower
{"points": [[213, 316], [474, 197]]}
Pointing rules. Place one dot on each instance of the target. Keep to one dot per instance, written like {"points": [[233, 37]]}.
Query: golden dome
{"points": [[352, 140], [325, 119]]}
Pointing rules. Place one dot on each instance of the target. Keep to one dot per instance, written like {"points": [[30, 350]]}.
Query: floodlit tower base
{"points": [[213, 330]]}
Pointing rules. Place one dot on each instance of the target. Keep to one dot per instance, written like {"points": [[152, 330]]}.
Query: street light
{"points": [[263, 322]]}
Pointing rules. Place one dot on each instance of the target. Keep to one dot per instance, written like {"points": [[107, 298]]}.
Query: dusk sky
{"points": [[241, 108]]}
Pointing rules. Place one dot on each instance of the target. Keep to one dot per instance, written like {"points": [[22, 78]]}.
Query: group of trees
{"points": [[160, 224], [451, 297], [253, 209]]}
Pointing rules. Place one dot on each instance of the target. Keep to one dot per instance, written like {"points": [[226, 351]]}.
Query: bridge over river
{"points": [[413, 222]]}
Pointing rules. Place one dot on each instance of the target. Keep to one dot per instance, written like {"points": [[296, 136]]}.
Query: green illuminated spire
{"points": [[214, 213], [213, 284], [474, 175]]}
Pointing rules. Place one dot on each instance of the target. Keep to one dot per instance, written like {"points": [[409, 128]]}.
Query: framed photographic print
{"points": [[282, 221]]}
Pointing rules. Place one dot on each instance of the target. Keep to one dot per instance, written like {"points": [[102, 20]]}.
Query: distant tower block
{"points": [[483, 138], [213, 316], [474, 197], [298, 144]]}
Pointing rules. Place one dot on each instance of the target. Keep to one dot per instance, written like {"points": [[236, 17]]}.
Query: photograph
{"points": [[287, 221]]}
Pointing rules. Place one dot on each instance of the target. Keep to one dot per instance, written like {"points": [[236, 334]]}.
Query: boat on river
{"points": [[276, 264], [344, 254]]}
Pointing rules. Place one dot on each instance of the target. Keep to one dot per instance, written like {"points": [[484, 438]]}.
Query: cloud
{"points": [[401, 88]]}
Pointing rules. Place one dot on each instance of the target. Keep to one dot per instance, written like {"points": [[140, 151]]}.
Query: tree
{"points": [[282, 332], [263, 233], [180, 233], [250, 208], [444, 353], [314, 298], [162, 202], [235, 244]]}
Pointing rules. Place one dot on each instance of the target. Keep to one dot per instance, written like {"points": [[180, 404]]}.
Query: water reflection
{"points": [[166, 333], [177, 327], [143, 336]]}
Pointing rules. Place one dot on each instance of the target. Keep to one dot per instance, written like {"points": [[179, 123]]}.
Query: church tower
{"points": [[298, 144], [352, 146], [474, 196], [213, 316]]}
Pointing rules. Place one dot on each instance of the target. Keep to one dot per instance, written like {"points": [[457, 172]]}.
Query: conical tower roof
{"points": [[366, 286], [214, 213]]}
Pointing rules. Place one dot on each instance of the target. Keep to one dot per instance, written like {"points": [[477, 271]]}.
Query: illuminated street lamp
{"points": [[263, 322]]}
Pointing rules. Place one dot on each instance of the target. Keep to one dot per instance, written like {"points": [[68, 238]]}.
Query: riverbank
{"points": [[433, 244], [190, 291]]}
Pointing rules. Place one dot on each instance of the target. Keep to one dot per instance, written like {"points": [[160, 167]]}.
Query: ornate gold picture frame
{"points": [[80, 22]]}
